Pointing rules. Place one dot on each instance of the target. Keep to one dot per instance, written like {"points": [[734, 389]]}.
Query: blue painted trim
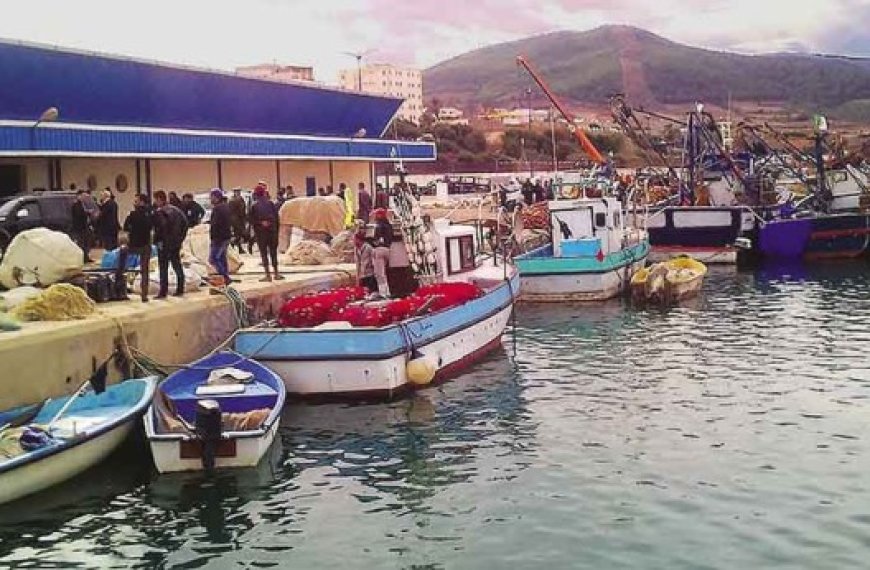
{"points": [[540, 261], [84, 141], [373, 343]]}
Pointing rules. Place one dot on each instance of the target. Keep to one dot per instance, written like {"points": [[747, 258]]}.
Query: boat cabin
{"points": [[586, 227], [455, 249]]}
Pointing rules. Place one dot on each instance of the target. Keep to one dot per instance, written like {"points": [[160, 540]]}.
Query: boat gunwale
{"points": [[392, 328]]}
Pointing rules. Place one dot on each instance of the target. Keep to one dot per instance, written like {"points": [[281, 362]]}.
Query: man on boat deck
{"points": [[383, 238], [365, 266]]}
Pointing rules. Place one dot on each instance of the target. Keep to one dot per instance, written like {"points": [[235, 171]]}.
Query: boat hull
{"points": [[838, 236], [372, 363], [173, 454], [704, 233], [40, 475], [550, 280]]}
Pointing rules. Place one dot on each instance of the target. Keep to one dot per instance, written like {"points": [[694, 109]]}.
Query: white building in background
{"points": [[392, 81], [451, 116], [275, 72]]}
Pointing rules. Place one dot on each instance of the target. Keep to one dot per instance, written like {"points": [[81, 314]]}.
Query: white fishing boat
{"points": [[592, 255], [337, 358], [64, 437], [220, 412]]}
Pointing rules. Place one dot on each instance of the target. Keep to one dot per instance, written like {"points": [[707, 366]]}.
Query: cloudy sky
{"points": [[223, 34]]}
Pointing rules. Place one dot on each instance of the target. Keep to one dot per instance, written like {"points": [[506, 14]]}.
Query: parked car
{"points": [[51, 210]]}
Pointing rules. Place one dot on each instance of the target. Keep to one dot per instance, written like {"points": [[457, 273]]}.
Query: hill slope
{"points": [[589, 66]]}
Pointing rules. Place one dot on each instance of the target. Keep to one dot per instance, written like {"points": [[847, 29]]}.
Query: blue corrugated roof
{"points": [[99, 89], [66, 140]]}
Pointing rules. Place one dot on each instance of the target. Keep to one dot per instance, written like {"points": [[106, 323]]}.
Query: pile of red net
{"points": [[341, 305]]}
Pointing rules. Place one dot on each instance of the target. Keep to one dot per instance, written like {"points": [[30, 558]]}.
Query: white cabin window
{"points": [[600, 220]]}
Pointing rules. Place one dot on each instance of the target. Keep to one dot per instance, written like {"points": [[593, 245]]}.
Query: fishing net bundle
{"points": [[60, 302], [308, 252], [344, 305], [418, 239]]}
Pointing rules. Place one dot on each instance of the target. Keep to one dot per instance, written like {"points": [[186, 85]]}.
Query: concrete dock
{"points": [[50, 359]]}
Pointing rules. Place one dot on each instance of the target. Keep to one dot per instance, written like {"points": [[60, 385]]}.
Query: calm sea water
{"points": [[733, 432]]}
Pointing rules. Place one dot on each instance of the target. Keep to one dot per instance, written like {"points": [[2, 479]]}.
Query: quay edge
{"points": [[51, 359]]}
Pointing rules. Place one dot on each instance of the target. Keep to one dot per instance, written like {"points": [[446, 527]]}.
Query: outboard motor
{"points": [[208, 430]]}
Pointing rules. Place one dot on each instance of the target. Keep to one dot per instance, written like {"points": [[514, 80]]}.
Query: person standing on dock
{"points": [[220, 234], [383, 238], [238, 220], [107, 222], [192, 210], [81, 225], [365, 266], [138, 225], [264, 221], [170, 229], [364, 203]]}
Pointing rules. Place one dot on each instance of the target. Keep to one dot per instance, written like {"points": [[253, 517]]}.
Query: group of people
{"points": [[94, 220], [528, 192]]}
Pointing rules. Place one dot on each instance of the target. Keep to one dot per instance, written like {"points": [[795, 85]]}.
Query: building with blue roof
{"points": [[137, 126]]}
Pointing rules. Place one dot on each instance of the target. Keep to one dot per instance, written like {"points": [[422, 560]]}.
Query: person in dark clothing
{"points": [[538, 193], [283, 196], [364, 203], [381, 240], [174, 200], [528, 192], [264, 221], [382, 198], [341, 190], [107, 222], [138, 225], [238, 220], [81, 225], [192, 210], [220, 234], [170, 229]]}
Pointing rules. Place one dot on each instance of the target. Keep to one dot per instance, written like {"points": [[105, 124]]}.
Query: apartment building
{"points": [[391, 81]]}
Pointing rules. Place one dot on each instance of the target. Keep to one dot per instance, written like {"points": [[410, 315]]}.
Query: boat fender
{"points": [[208, 430], [420, 371]]}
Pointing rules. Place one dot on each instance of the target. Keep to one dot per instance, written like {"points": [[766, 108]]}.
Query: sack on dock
{"points": [[308, 252], [40, 257], [196, 246], [343, 247]]}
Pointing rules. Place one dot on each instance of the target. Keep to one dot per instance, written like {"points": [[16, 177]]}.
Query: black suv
{"points": [[52, 210]]}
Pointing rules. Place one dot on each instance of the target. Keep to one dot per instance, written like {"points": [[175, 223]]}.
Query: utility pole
{"points": [[358, 56]]}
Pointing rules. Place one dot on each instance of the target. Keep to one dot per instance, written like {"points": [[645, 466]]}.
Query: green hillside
{"points": [[589, 66]]}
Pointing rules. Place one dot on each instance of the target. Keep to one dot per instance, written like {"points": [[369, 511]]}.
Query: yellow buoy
{"points": [[420, 371]]}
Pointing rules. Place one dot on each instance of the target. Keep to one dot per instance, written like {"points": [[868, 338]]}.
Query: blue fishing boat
{"points": [[221, 411], [47, 444], [592, 255]]}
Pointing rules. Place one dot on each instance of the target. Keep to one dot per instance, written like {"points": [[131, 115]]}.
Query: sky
{"points": [[221, 34]]}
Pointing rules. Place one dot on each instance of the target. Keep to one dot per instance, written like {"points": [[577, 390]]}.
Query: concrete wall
{"points": [[105, 170], [352, 173], [295, 172], [35, 172], [246, 174], [184, 175]]}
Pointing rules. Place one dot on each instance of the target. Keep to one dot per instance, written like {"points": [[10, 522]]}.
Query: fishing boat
{"points": [[669, 281], [359, 348], [592, 255], [221, 411], [41, 446]]}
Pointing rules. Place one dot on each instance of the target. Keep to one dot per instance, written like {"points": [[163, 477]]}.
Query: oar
{"points": [[97, 380]]}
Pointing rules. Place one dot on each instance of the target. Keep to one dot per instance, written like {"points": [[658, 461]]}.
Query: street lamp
{"points": [[358, 56], [48, 116]]}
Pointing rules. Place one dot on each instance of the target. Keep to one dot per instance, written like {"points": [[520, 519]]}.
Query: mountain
{"points": [[587, 67]]}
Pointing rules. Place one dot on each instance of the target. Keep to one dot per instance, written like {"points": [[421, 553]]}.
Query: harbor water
{"points": [[731, 432]]}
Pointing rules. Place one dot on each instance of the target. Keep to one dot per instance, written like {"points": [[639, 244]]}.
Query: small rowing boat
{"points": [[222, 411], [668, 281], [66, 436]]}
